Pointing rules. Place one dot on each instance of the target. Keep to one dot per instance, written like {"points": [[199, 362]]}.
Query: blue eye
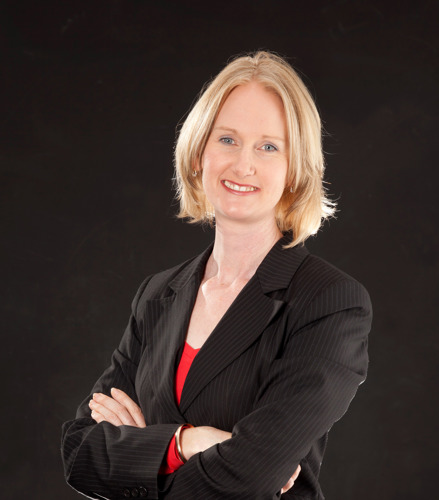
{"points": [[227, 140], [269, 147]]}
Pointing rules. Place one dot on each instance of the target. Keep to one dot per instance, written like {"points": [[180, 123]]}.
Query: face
{"points": [[245, 162]]}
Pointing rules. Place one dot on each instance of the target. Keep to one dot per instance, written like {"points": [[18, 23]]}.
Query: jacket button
{"points": [[134, 492], [126, 493], [143, 492]]}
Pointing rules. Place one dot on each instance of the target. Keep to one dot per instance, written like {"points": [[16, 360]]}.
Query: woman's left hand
{"points": [[120, 409]]}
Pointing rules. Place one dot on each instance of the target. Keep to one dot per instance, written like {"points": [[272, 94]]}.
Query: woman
{"points": [[275, 338]]}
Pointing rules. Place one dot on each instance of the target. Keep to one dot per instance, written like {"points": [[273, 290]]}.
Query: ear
{"points": [[197, 164]]}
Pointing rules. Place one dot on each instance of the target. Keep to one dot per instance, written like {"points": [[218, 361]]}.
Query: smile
{"points": [[236, 187]]}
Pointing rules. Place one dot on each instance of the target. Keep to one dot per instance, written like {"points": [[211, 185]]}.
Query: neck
{"points": [[239, 250]]}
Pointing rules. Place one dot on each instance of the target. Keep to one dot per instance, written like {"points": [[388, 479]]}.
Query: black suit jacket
{"points": [[279, 369]]}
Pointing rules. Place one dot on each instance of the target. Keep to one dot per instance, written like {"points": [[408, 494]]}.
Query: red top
{"points": [[172, 461]]}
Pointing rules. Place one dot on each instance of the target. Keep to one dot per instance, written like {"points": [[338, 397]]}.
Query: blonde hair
{"points": [[301, 211]]}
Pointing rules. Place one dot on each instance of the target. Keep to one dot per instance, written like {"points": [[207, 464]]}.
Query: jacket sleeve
{"points": [[107, 461], [308, 387]]}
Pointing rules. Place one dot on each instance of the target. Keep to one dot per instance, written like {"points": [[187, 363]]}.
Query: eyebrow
{"points": [[234, 131]]}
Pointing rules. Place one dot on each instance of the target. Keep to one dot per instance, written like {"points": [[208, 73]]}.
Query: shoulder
{"points": [[320, 283], [328, 304], [319, 273]]}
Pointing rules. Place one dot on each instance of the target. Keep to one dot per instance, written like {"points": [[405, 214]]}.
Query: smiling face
{"points": [[245, 161]]}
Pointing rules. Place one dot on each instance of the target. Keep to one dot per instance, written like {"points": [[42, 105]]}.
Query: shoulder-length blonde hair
{"points": [[303, 205]]}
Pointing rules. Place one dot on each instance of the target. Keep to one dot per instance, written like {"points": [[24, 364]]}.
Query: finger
{"points": [[114, 407], [104, 413], [134, 409], [109, 416], [296, 473], [97, 417], [288, 486], [291, 481]]}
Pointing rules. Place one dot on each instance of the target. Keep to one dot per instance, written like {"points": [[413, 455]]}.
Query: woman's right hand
{"points": [[195, 440], [290, 482]]}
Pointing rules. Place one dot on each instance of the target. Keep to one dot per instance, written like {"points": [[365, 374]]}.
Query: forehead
{"points": [[252, 107]]}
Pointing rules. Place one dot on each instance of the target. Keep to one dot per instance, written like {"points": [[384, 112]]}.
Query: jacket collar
{"points": [[280, 264], [195, 269]]}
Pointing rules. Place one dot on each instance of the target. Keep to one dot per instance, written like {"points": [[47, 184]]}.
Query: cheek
{"points": [[212, 168], [277, 181], [208, 179], [212, 160]]}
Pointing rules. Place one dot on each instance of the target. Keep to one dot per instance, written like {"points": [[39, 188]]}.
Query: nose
{"points": [[244, 164]]}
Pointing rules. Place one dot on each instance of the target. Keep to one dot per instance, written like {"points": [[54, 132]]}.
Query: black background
{"points": [[91, 96]]}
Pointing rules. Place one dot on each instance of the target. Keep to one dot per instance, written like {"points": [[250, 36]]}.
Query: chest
{"points": [[245, 330], [212, 302]]}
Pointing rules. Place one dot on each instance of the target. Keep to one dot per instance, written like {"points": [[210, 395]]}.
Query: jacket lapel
{"points": [[166, 322], [245, 320]]}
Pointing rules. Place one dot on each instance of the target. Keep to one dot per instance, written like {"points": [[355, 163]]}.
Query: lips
{"points": [[239, 188]]}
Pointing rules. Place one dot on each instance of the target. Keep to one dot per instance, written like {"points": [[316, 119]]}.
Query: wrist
{"points": [[182, 455]]}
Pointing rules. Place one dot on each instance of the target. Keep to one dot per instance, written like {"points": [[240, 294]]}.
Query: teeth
{"points": [[235, 187]]}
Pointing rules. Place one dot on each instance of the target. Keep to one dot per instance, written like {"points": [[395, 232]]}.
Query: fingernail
{"points": [[113, 389], [91, 402], [96, 395]]}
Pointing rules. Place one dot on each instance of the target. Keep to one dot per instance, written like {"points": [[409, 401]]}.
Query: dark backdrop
{"points": [[91, 95]]}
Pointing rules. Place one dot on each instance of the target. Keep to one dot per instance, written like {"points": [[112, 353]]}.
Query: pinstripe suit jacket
{"points": [[279, 369]]}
